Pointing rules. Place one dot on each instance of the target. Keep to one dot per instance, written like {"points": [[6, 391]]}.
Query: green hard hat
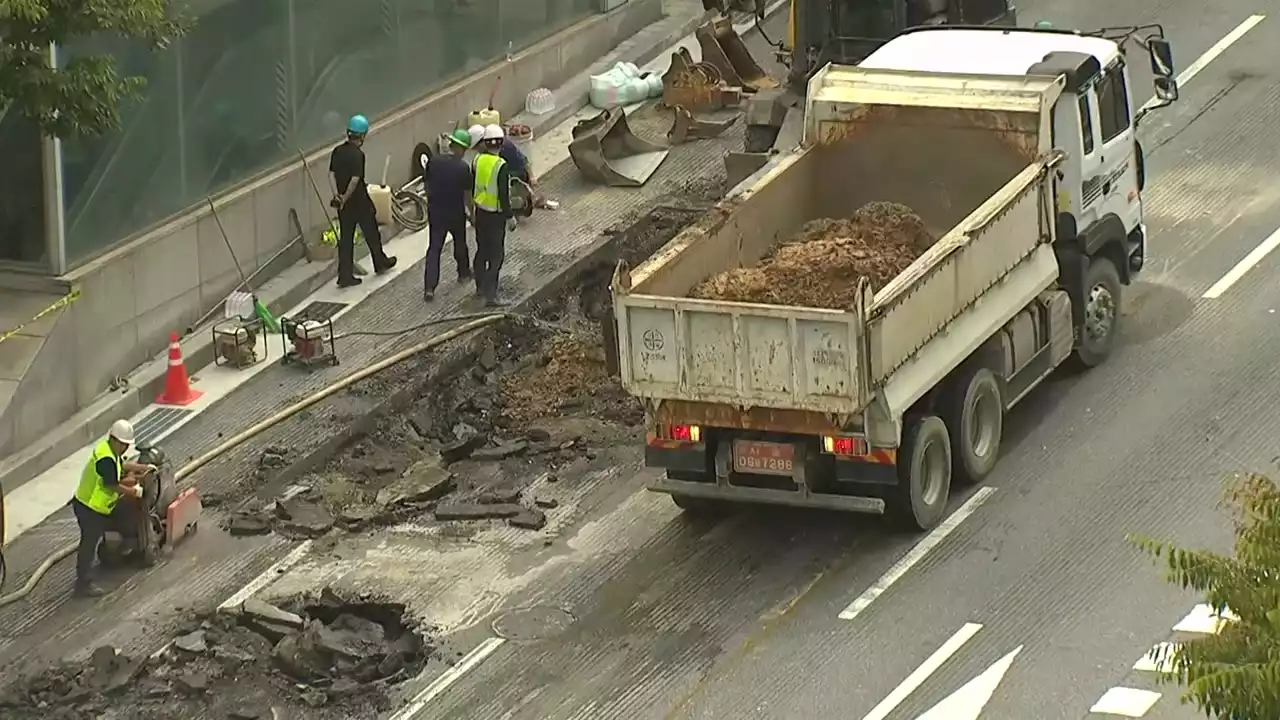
{"points": [[461, 138], [1043, 25]]}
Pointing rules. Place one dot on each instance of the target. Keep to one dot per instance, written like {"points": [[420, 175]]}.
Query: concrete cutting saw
{"points": [[142, 530]]}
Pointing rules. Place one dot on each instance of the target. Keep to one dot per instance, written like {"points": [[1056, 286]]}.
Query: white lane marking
{"points": [[1125, 702], [449, 677], [968, 702], [268, 576], [917, 553], [1204, 620], [1244, 266], [922, 673]]}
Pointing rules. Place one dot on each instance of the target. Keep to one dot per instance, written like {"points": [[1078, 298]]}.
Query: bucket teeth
{"points": [[696, 86]]}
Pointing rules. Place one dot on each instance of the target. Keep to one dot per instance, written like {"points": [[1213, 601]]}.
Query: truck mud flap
{"points": [[723, 48], [605, 151]]}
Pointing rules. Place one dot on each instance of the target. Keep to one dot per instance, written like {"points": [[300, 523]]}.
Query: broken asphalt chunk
{"points": [[476, 511], [194, 642], [500, 496], [423, 482], [529, 519], [248, 524], [462, 449], [304, 518], [501, 452], [546, 503]]}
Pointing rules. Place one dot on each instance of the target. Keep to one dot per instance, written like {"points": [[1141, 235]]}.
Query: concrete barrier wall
{"points": [[133, 297]]}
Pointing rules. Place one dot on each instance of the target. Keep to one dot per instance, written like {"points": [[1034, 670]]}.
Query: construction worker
{"points": [[492, 218], [448, 181], [355, 208], [105, 478]]}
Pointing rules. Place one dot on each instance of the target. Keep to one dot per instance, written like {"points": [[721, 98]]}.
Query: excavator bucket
{"points": [[606, 151], [723, 48]]}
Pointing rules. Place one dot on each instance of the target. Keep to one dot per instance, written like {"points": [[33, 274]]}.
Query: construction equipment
{"points": [[842, 32], [686, 127], [723, 49], [235, 342], [146, 527], [308, 343], [884, 403], [696, 86], [605, 151]]}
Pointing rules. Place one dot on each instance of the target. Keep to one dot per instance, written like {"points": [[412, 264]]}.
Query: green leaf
{"points": [[85, 96]]}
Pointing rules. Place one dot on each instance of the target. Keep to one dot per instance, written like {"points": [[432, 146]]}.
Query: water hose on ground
{"points": [[187, 470]]}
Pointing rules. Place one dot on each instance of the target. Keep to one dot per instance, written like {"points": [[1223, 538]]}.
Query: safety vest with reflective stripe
{"points": [[93, 493], [486, 189]]}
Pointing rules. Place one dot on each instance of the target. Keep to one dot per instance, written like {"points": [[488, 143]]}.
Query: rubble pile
{"points": [[820, 266], [533, 399], [328, 658]]}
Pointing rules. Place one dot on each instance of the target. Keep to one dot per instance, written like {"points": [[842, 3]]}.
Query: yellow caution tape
{"points": [[60, 304]]}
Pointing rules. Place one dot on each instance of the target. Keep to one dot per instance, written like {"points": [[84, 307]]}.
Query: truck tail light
{"points": [[681, 433], [844, 446]]}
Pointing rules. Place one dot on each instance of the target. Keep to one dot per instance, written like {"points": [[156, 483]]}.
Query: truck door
{"points": [[1117, 163], [1091, 176]]}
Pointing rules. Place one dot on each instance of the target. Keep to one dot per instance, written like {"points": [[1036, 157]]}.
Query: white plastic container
{"points": [[381, 197], [539, 101]]}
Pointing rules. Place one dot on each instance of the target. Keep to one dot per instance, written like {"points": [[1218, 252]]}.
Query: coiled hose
{"points": [[187, 470], [409, 206]]}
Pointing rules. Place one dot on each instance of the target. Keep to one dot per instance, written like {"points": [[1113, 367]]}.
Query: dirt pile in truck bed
{"points": [[820, 266], [322, 658]]}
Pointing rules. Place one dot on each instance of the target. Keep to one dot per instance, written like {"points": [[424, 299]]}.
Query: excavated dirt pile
{"points": [[534, 398], [820, 266], [323, 658]]}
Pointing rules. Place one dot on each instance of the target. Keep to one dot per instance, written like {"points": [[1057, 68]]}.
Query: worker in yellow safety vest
{"points": [[493, 217], [105, 478]]}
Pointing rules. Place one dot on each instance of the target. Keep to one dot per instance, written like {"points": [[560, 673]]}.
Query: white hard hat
{"points": [[493, 132], [122, 430], [477, 134]]}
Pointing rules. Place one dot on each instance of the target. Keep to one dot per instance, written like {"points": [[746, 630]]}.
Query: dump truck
{"points": [[1018, 148]]}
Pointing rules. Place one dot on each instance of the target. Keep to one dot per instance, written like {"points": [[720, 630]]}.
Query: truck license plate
{"points": [[763, 458]]}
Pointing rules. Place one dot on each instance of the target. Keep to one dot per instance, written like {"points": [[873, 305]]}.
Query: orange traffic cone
{"points": [[177, 386]]}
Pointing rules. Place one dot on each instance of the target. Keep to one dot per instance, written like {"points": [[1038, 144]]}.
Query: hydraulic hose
{"points": [[190, 468], [409, 206]]}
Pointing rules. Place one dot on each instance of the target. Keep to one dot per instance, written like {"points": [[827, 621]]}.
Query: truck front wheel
{"points": [[924, 474], [1102, 290]]}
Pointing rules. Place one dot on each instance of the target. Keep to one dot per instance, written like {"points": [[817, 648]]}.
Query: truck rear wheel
{"points": [[1102, 290], [924, 479], [975, 415]]}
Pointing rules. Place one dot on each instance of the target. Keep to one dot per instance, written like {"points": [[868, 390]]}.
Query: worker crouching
{"points": [[493, 216], [97, 507]]}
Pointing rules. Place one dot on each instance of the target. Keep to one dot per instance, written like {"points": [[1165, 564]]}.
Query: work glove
{"points": [[511, 224], [134, 491]]}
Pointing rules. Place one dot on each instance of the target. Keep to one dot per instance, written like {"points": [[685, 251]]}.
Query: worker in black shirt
{"points": [[97, 505], [448, 181], [355, 208]]}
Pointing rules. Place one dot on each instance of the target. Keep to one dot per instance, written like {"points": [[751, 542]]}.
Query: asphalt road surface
{"points": [[1030, 599]]}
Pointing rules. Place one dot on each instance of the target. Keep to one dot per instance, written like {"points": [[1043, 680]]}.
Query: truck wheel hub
{"points": [[1100, 313]]}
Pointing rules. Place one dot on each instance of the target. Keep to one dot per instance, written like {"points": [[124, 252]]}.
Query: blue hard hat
{"points": [[358, 125]]}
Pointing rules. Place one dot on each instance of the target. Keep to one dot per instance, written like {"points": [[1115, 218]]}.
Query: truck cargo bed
{"points": [[965, 154]]}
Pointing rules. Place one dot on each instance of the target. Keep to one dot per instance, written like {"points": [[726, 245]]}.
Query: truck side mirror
{"points": [[1166, 89], [1161, 57]]}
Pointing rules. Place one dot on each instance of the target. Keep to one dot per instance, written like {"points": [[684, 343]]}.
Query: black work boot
{"points": [[88, 590]]}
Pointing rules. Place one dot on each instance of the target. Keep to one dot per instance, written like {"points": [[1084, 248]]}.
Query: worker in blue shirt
{"points": [[449, 183], [493, 217]]}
